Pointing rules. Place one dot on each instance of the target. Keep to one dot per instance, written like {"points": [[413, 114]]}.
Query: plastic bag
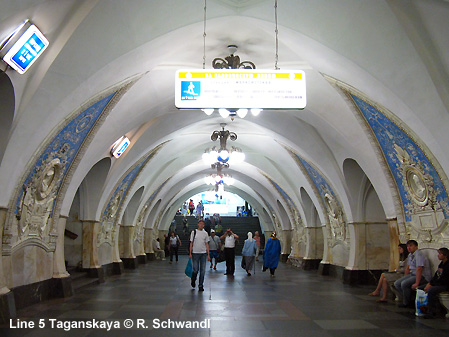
{"points": [[189, 268], [421, 301]]}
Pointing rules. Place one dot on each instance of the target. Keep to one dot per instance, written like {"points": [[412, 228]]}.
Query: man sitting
{"points": [[438, 283], [158, 252], [417, 273]]}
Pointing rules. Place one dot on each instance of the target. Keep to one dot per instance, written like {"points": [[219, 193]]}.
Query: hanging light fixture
{"points": [[232, 62], [223, 155]]}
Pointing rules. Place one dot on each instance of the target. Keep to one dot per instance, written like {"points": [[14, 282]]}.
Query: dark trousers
{"points": [[230, 260], [434, 302], [174, 251]]}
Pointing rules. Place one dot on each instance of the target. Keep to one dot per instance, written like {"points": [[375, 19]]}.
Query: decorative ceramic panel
{"points": [[116, 201], [329, 201], [63, 148], [290, 204], [417, 180]]}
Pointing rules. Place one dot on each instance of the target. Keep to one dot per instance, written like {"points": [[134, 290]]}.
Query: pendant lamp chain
{"points": [[276, 31], [204, 36]]}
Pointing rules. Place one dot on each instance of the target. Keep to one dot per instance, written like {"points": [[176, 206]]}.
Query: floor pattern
{"points": [[293, 303]]}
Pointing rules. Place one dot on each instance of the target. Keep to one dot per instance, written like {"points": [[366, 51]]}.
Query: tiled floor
{"points": [[294, 303]]}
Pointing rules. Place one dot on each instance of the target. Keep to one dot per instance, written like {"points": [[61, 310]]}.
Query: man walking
{"points": [[199, 252], [229, 238]]}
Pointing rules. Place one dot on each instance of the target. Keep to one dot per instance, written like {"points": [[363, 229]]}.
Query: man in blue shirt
{"points": [[417, 273]]}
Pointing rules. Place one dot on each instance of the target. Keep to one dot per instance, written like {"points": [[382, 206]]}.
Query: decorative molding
{"points": [[293, 210], [35, 205], [138, 233], [118, 197], [336, 222], [417, 180]]}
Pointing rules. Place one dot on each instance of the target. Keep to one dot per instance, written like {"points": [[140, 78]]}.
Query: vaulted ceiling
{"points": [[392, 53]]}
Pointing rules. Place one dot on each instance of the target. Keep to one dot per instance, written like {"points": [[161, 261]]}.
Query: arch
{"points": [[370, 242], [92, 187], [7, 106], [285, 220], [151, 216], [73, 241], [129, 215]]}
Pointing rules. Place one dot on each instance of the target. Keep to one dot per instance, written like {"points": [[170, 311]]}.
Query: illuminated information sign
{"points": [[238, 88], [26, 50]]}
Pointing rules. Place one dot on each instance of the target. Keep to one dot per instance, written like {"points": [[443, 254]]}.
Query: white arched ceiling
{"points": [[6, 111], [96, 45], [91, 189]]}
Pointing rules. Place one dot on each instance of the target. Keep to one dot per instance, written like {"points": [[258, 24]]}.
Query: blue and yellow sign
{"points": [[238, 88]]}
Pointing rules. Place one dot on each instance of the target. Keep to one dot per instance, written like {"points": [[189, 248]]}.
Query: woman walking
{"points": [[249, 253], [173, 246], [271, 254]]}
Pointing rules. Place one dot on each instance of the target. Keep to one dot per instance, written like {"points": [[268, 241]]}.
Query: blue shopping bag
{"points": [[189, 268]]}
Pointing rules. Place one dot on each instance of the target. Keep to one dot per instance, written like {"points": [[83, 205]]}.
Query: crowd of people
{"points": [[208, 242], [204, 247]]}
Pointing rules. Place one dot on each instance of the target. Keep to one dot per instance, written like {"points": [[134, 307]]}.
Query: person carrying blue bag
{"points": [[199, 252]]}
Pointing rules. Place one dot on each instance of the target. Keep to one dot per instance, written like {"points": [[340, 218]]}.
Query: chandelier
{"points": [[232, 62], [219, 178], [223, 156]]}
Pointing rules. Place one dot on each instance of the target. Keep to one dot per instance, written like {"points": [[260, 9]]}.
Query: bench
{"points": [[432, 256]]}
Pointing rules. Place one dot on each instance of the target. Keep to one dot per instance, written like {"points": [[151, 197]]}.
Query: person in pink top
{"points": [[257, 238]]}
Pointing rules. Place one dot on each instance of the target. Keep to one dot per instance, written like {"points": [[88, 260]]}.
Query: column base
{"points": [[284, 257], [142, 259], [96, 273], [324, 269], [118, 268], [361, 276], [7, 307], [151, 256], [61, 287], [311, 264], [130, 263]]}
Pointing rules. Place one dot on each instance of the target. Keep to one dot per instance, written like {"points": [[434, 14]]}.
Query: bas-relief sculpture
{"points": [[336, 224], [418, 179], [109, 228], [31, 214], [293, 215]]}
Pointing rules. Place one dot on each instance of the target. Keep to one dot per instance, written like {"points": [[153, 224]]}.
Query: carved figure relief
{"points": [[37, 200], [138, 233], [107, 229], [298, 237], [427, 223], [335, 216]]}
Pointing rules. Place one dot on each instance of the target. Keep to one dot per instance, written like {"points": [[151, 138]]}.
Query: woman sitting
{"points": [[388, 278]]}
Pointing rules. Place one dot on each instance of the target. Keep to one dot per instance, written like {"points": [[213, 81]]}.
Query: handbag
{"points": [[221, 256], [189, 268]]}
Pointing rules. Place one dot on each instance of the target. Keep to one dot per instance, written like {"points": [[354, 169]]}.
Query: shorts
{"points": [[213, 254]]}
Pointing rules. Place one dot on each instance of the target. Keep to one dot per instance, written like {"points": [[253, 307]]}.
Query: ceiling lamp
{"points": [[222, 155], [232, 62]]}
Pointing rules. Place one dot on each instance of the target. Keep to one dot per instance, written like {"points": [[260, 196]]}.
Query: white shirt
{"points": [[229, 241], [199, 244]]}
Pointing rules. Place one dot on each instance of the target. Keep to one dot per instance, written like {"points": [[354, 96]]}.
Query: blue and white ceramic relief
{"points": [[396, 144]]}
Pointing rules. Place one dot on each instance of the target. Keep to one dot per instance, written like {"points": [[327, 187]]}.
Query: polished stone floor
{"points": [[293, 303]]}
